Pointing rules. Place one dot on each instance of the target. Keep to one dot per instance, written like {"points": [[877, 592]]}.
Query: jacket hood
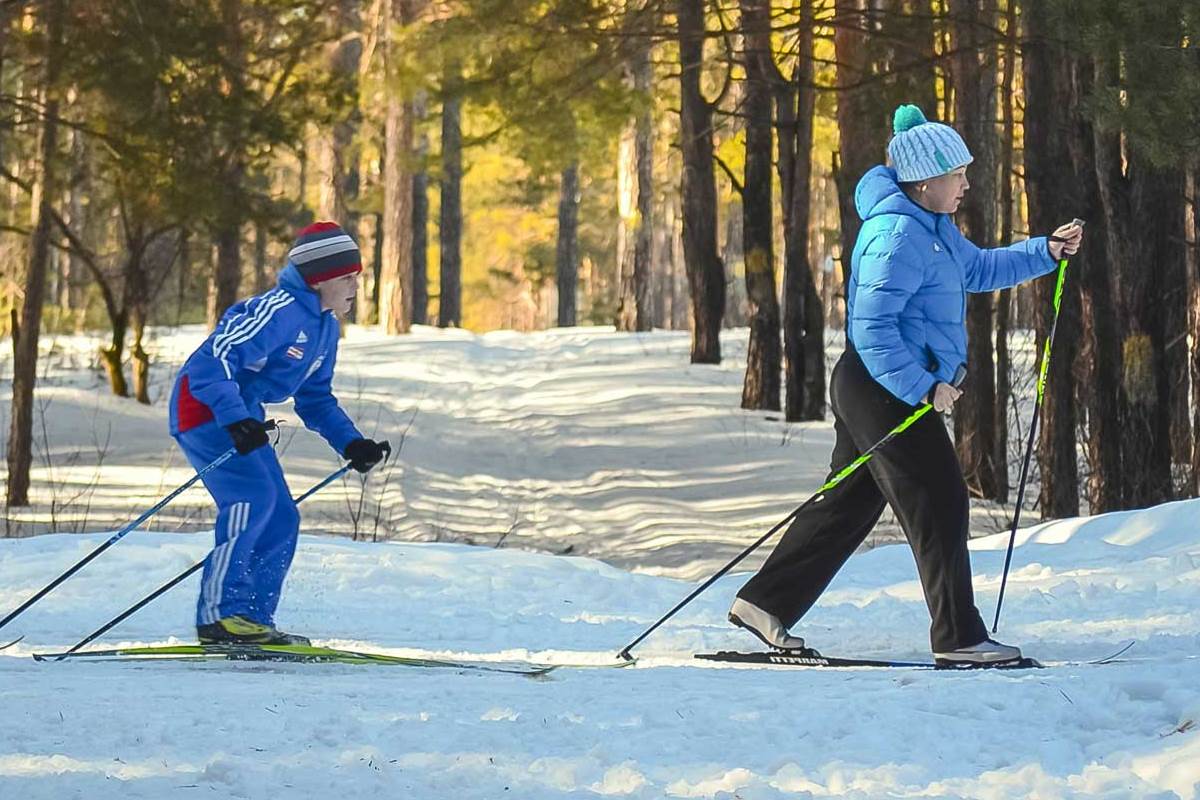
{"points": [[879, 193], [291, 281]]}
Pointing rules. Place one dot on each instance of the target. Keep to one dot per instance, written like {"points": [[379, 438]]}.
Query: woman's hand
{"points": [[942, 397], [1066, 240]]}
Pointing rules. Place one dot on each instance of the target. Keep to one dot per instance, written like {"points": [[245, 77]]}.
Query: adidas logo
{"points": [[302, 338]]}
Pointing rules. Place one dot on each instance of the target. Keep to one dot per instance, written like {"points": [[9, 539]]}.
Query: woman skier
{"points": [[905, 339]]}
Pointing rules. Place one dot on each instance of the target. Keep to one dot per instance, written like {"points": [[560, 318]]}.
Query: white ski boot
{"points": [[987, 653], [765, 626]]}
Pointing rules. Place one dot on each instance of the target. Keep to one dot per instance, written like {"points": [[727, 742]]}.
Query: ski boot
{"points": [[766, 627], [239, 630], [988, 653]]}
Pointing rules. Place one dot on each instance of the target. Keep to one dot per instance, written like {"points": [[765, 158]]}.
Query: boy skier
{"points": [[266, 349]]}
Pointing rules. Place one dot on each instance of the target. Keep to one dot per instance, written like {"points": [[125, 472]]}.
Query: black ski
{"points": [[812, 658]]}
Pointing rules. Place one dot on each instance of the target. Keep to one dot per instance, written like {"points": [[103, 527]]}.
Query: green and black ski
{"points": [[291, 654]]}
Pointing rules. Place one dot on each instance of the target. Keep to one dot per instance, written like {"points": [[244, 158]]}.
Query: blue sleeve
{"points": [[886, 280], [319, 409], [1002, 267], [245, 338]]}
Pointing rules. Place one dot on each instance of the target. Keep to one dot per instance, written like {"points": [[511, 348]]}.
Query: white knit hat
{"points": [[920, 149]]}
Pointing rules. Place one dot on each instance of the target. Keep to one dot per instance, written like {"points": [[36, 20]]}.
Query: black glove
{"points": [[366, 453], [249, 434]]}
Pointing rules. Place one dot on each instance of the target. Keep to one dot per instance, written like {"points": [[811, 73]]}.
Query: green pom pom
{"points": [[906, 117]]}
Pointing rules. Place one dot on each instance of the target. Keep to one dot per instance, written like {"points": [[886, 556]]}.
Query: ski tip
{"points": [[1114, 656], [10, 644]]}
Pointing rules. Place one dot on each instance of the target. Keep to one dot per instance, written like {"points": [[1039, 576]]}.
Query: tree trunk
{"points": [[420, 221], [1097, 268], [637, 220], [228, 273], [113, 355], [974, 100], [705, 273], [862, 129], [1143, 220], [760, 389], [1193, 238], [566, 252], [261, 237], [395, 271], [227, 276], [1152, 287], [25, 339], [803, 316], [450, 213], [341, 180], [141, 359], [1006, 210], [1049, 180], [78, 217]]}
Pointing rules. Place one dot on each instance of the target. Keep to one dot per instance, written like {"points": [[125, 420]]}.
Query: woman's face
{"points": [[943, 194]]}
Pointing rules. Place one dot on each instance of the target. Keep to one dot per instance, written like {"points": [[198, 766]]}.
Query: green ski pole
{"points": [[1037, 412]]}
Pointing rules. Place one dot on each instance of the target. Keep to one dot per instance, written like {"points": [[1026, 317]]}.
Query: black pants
{"points": [[918, 474]]}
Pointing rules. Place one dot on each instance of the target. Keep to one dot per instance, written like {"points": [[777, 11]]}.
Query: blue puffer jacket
{"points": [[266, 349], [910, 272]]}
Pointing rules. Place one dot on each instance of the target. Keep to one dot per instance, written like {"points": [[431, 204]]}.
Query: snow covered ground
{"points": [[577, 440], [667, 727], [612, 447]]}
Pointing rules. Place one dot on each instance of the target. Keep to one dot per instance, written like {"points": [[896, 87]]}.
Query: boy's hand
{"points": [[249, 434], [363, 454]]}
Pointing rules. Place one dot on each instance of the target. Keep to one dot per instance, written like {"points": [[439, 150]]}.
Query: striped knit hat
{"points": [[324, 251], [920, 149]]}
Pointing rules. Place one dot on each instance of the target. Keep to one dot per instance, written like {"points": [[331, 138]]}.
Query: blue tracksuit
{"points": [[265, 349], [910, 272]]}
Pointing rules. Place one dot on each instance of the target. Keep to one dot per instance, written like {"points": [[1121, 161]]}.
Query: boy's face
{"points": [[337, 295]]}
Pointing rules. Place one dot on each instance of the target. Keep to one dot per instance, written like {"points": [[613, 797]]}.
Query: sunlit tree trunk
{"points": [[706, 275], [25, 335]]}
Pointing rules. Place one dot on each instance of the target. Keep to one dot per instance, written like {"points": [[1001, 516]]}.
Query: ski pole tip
{"points": [[624, 655]]}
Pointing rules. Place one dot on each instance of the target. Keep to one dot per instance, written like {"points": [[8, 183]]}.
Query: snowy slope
{"points": [[580, 439], [602, 445], [668, 727]]}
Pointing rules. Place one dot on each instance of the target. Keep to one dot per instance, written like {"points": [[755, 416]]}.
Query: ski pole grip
{"points": [[960, 375], [1076, 221]]}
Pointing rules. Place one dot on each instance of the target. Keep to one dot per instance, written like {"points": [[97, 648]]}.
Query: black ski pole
{"points": [[166, 587], [1037, 412], [844, 473], [116, 537]]}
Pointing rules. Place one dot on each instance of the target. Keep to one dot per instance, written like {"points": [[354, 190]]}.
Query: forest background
{"points": [[687, 165]]}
